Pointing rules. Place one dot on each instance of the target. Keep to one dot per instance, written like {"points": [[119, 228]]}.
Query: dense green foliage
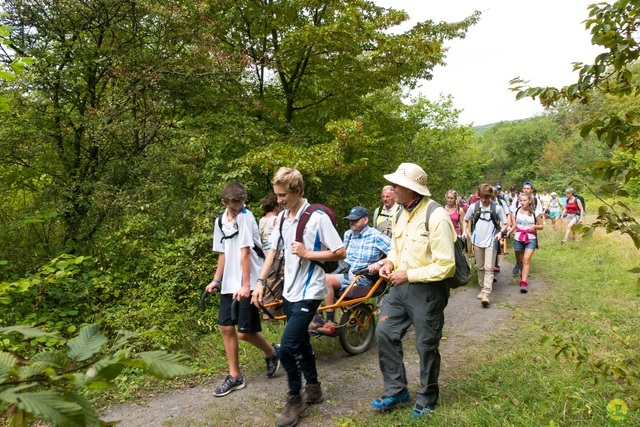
{"points": [[122, 120], [133, 115]]}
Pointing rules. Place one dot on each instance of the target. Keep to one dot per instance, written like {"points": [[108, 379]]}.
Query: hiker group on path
{"points": [[418, 256]]}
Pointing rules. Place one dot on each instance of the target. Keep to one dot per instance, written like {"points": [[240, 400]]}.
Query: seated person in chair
{"points": [[365, 246]]}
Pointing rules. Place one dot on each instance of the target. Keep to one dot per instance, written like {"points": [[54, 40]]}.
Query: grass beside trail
{"points": [[591, 307]]}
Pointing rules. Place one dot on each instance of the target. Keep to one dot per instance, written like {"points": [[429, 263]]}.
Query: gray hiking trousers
{"points": [[420, 304]]}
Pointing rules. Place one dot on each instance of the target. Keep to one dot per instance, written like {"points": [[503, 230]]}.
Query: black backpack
{"points": [[462, 273], [584, 206], [477, 212], [258, 250]]}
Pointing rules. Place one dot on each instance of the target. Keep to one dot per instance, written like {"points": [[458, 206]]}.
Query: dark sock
{"points": [[331, 316]]}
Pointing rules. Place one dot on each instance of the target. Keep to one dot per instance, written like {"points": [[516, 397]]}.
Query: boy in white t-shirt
{"points": [[304, 287], [237, 240], [488, 227]]}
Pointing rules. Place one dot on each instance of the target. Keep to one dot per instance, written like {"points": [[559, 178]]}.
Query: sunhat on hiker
{"points": [[410, 176]]}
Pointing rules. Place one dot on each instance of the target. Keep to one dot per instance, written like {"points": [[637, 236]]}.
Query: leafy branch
{"points": [[614, 28], [48, 385]]}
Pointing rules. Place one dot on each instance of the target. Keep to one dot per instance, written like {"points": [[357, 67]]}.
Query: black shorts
{"points": [[247, 315]]}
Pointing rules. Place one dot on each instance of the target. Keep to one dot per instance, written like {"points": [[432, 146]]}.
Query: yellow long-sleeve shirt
{"points": [[426, 256]]}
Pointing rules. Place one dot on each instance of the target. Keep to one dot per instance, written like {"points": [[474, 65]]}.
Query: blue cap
{"points": [[357, 213], [529, 183]]}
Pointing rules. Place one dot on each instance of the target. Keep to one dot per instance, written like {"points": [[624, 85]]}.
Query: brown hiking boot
{"points": [[312, 394], [291, 413]]}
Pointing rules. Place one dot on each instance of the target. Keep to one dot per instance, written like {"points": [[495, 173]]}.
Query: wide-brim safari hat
{"points": [[410, 176]]}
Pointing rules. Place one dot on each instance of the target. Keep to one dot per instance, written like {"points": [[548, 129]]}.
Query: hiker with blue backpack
{"points": [[488, 221], [419, 266]]}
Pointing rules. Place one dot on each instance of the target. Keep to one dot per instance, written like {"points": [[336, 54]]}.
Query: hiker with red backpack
{"points": [[574, 211], [307, 250], [488, 222]]}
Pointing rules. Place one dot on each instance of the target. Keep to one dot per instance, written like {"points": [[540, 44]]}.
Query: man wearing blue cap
{"points": [[365, 246]]}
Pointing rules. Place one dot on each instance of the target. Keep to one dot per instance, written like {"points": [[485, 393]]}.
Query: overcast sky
{"points": [[535, 40]]}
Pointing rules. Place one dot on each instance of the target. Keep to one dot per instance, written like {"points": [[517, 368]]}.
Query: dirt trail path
{"points": [[347, 390]]}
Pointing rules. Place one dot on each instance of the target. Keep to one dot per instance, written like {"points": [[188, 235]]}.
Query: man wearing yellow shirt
{"points": [[417, 266]]}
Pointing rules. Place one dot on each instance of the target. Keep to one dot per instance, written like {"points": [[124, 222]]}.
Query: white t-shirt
{"points": [[266, 226], [248, 236], [485, 231], [303, 279], [516, 204], [504, 204], [525, 222]]}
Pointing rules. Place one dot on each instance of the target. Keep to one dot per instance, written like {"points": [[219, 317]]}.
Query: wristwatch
{"points": [[381, 262]]}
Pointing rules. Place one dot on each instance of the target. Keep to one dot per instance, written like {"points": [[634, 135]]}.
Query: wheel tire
{"points": [[357, 326]]}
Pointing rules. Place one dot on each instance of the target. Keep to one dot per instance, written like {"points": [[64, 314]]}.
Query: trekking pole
{"points": [[504, 243], [266, 311], [234, 305]]}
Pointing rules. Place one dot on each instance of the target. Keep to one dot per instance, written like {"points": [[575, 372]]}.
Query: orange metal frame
{"points": [[343, 302]]}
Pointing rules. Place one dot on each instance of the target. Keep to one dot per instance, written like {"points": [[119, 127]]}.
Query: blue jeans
{"points": [[296, 355], [520, 247]]}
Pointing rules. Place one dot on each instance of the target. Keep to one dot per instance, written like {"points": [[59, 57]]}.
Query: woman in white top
{"points": [[555, 211], [268, 221], [525, 242]]}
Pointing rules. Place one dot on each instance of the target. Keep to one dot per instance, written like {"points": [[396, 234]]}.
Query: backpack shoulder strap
{"points": [[281, 221], [224, 236], [304, 219], [476, 212], [376, 214], [397, 214], [433, 205], [494, 215]]}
